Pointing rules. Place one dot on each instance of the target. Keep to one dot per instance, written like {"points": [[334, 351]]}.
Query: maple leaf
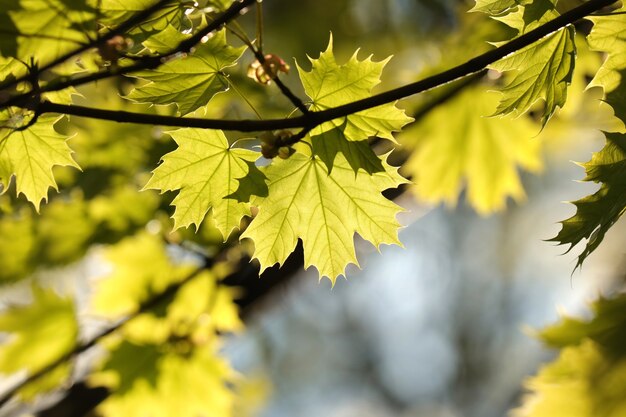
{"points": [[587, 379], [480, 153], [544, 69], [205, 170], [596, 213], [330, 85], [39, 334], [30, 154], [609, 35], [190, 81], [324, 210], [162, 381]]}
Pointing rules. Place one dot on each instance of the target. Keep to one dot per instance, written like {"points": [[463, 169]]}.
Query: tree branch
{"points": [[119, 30], [311, 119], [146, 63]]}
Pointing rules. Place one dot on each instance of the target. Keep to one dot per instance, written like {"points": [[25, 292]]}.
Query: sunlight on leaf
{"points": [[189, 81], [29, 155], [324, 210], [205, 170], [330, 85], [471, 151]]}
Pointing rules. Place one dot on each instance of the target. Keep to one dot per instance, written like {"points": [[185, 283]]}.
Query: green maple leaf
{"points": [[39, 334], [190, 81], [543, 70], [45, 29], [324, 210], [588, 378], [609, 35], [159, 381], [29, 155], [205, 170], [606, 327], [469, 150], [497, 7], [330, 85], [595, 214]]}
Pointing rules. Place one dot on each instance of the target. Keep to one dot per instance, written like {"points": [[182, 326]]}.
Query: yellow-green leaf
{"points": [[324, 210], [330, 85], [30, 154], [588, 379], [468, 150], [205, 170], [609, 35], [189, 81]]}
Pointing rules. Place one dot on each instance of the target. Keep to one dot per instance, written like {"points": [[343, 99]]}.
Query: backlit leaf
{"points": [[44, 29], [30, 154], [588, 379], [542, 70], [324, 210], [205, 170], [330, 85], [481, 154], [497, 7], [609, 35], [190, 81]]}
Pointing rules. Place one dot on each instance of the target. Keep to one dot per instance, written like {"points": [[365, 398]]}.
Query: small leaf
{"points": [[469, 150], [204, 168], [190, 81], [324, 210]]}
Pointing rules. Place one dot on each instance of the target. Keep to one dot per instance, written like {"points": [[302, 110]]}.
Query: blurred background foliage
{"points": [[431, 330]]}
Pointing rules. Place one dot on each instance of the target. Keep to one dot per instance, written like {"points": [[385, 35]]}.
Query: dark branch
{"points": [[311, 119], [145, 63], [121, 29]]}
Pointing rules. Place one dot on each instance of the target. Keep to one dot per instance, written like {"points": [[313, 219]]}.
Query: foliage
{"points": [[323, 173], [589, 376]]}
